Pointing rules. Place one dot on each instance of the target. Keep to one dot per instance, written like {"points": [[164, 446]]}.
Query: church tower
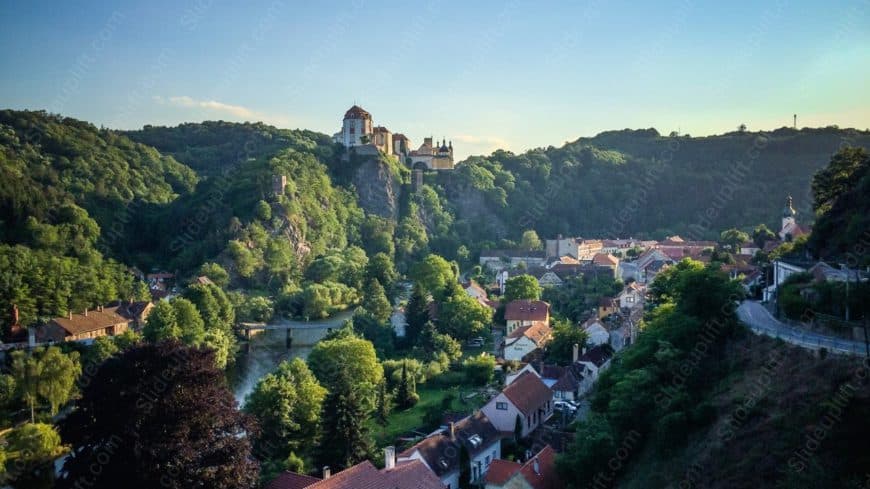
{"points": [[356, 128], [789, 224]]}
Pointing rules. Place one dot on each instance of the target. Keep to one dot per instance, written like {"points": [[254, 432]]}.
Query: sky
{"points": [[508, 74]]}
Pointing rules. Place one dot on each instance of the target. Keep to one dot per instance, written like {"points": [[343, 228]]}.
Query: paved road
{"points": [[761, 321]]}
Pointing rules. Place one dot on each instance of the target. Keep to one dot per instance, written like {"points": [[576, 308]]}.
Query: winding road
{"points": [[761, 321]]}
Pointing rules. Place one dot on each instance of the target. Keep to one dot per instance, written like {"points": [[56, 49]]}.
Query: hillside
{"points": [[698, 401], [641, 183]]}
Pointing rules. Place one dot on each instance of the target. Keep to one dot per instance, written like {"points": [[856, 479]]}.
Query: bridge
{"points": [[298, 333]]}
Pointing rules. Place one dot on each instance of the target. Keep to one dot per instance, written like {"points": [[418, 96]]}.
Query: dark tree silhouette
{"points": [[158, 415]]}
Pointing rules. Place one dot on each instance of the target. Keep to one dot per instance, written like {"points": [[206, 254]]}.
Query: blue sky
{"points": [[510, 74]]}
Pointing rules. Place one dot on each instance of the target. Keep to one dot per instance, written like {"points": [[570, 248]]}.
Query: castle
{"points": [[358, 133]]}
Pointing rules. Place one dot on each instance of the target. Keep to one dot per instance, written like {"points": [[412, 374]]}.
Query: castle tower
{"points": [[356, 128]]}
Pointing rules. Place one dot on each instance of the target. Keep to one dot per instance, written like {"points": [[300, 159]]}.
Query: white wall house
{"points": [[526, 398], [525, 340], [598, 334], [525, 312], [440, 451]]}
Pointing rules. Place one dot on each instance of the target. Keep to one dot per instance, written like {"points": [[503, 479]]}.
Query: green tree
{"points": [[34, 442], [287, 404], [8, 390], [346, 439], [222, 344], [460, 315], [264, 211], [215, 273], [58, 375], [479, 369], [406, 391], [162, 323], [384, 403], [433, 274], [733, 238], [416, 314], [522, 287], [189, 321], [382, 269], [560, 349], [27, 371], [375, 301], [530, 241], [349, 358], [761, 235]]}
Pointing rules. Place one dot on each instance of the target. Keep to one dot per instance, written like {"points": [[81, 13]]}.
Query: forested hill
{"points": [[640, 183], [48, 161]]}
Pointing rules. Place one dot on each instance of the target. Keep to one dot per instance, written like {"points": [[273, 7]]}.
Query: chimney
{"points": [[86, 312], [536, 466], [390, 457], [451, 430], [575, 353], [326, 472], [70, 315], [584, 349]]}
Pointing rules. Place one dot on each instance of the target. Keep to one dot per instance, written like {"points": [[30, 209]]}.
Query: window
{"points": [[557, 395], [501, 406]]}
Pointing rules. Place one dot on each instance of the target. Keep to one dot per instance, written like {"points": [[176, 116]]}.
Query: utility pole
{"points": [[795, 121]]}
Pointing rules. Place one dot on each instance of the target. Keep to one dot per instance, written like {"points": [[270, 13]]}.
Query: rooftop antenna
{"points": [[795, 121]]}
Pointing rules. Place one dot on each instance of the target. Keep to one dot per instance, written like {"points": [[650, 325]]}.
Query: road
{"points": [[761, 321]]}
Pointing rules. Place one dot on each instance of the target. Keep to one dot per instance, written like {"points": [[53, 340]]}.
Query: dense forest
{"points": [[643, 184]]}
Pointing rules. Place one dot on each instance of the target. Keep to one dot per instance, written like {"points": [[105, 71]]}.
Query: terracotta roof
{"points": [[380, 129], [203, 280], [545, 476], [93, 321], [410, 475], [526, 310], [605, 259], [500, 471], [528, 392], [539, 476], [436, 450], [291, 480], [357, 112], [539, 332]]}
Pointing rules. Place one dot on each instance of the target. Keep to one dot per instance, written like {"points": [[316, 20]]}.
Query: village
{"points": [[537, 398]]}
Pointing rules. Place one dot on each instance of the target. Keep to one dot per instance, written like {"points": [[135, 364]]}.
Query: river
{"points": [[267, 349]]}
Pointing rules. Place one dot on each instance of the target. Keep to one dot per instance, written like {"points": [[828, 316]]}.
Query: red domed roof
{"points": [[357, 112]]}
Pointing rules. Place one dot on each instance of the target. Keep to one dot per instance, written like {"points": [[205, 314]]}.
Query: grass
{"points": [[431, 395]]}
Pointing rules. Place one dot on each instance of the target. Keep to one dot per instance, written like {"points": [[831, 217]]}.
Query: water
{"points": [[269, 348]]}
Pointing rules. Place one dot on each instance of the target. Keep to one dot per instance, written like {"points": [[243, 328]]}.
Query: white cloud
{"points": [[236, 111]]}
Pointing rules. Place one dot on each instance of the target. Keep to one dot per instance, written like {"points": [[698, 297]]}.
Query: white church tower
{"points": [[356, 129]]}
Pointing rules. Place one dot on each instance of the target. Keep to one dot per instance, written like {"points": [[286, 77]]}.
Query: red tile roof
{"points": [[539, 476], [291, 480], [539, 332], [528, 392], [526, 310], [357, 112], [605, 259], [500, 471], [408, 475]]}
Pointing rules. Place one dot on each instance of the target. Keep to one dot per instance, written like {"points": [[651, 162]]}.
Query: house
{"points": [[440, 451], [525, 312], [597, 333], [202, 280], [597, 359], [631, 297], [607, 261], [607, 306], [525, 340], [136, 311], [570, 382], [395, 475], [561, 247], [822, 272], [781, 271], [538, 472], [549, 279], [527, 401], [85, 326], [588, 248]]}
